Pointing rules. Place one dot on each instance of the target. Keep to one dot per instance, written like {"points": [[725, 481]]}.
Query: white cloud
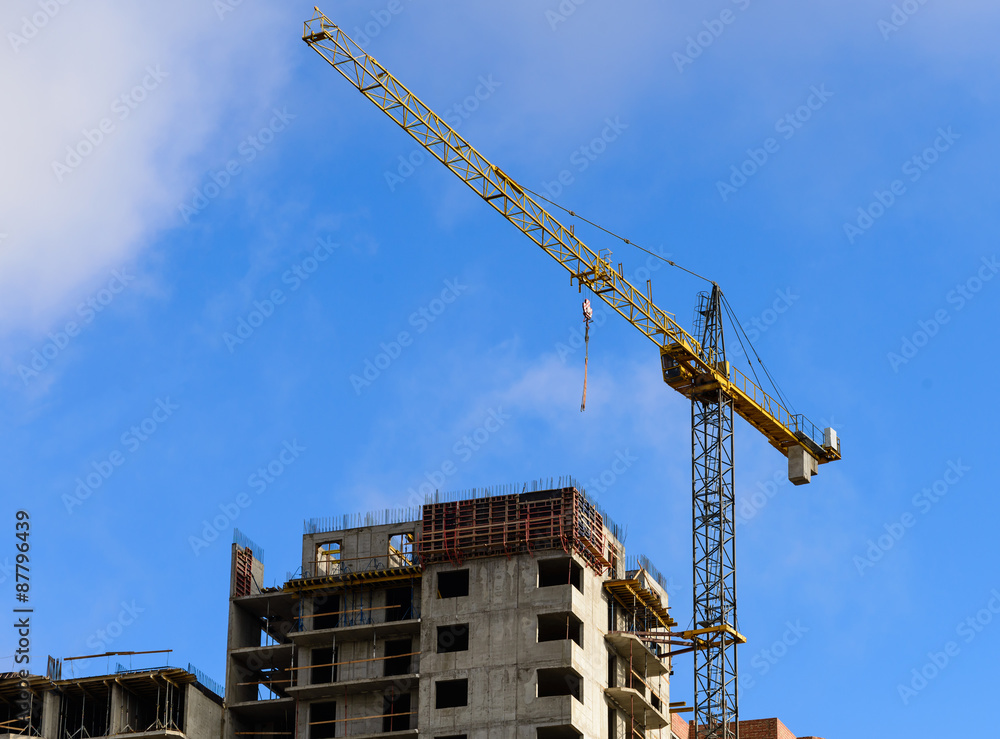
{"points": [[183, 72], [62, 75]]}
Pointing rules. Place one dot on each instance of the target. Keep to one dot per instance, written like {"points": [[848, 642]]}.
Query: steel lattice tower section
{"points": [[715, 712]]}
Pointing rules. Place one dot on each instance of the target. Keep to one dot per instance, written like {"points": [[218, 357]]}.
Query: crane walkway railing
{"points": [[782, 429]]}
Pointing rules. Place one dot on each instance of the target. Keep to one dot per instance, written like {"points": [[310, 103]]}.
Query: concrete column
{"points": [[50, 714], [117, 721]]}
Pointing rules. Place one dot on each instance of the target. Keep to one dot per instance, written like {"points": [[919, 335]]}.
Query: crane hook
{"points": [[588, 315]]}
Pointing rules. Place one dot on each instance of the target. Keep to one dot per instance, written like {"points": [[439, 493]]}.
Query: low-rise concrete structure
{"points": [[161, 703]]}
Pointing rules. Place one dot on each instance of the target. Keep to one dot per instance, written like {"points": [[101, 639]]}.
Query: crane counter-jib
{"points": [[686, 366]]}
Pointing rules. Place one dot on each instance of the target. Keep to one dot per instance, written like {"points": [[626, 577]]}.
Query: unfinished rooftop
{"points": [[152, 703], [509, 610]]}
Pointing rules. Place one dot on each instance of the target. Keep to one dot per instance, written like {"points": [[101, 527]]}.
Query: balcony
{"points": [[329, 675], [635, 705], [328, 570], [635, 653], [347, 616], [353, 687], [265, 672]]}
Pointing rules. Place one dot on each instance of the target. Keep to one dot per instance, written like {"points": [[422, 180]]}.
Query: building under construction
{"points": [[504, 615], [157, 703], [490, 614]]}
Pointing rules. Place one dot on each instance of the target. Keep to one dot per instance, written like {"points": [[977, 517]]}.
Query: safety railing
{"points": [[365, 615], [340, 566], [792, 421]]}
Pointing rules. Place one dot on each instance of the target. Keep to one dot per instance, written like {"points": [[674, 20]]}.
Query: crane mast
{"points": [[716, 714], [695, 367]]}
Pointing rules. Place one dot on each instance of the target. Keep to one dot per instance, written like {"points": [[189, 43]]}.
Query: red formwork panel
{"points": [[504, 525]]}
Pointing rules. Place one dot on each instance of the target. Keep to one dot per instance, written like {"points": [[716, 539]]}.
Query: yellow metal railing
{"points": [[512, 201]]}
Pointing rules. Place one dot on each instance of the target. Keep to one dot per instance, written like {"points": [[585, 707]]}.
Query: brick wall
{"points": [[678, 726], [764, 728]]}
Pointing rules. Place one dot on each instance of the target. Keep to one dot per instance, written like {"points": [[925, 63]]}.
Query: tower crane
{"points": [[695, 367]]}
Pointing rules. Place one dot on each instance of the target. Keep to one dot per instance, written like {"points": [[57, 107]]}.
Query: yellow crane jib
{"points": [[685, 366]]}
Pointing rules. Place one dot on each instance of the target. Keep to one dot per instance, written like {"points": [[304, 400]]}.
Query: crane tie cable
{"points": [[739, 329], [574, 214], [727, 307]]}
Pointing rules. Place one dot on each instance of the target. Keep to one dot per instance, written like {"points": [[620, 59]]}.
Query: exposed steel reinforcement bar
{"points": [[506, 525]]}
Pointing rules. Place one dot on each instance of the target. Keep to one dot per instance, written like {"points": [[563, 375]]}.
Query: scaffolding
{"points": [[639, 625], [21, 703], [642, 607], [354, 605], [128, 702], [505, 525]]}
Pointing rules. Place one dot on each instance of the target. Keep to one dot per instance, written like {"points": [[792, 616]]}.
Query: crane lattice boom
{"points": [[686, 365], [696, 368]]}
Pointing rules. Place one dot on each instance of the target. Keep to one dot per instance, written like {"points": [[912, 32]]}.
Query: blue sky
{"points": [[171, 176]]}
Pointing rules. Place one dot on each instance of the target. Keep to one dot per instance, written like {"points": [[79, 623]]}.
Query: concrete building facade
{"points": [[487, 616], [490, 616]]}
